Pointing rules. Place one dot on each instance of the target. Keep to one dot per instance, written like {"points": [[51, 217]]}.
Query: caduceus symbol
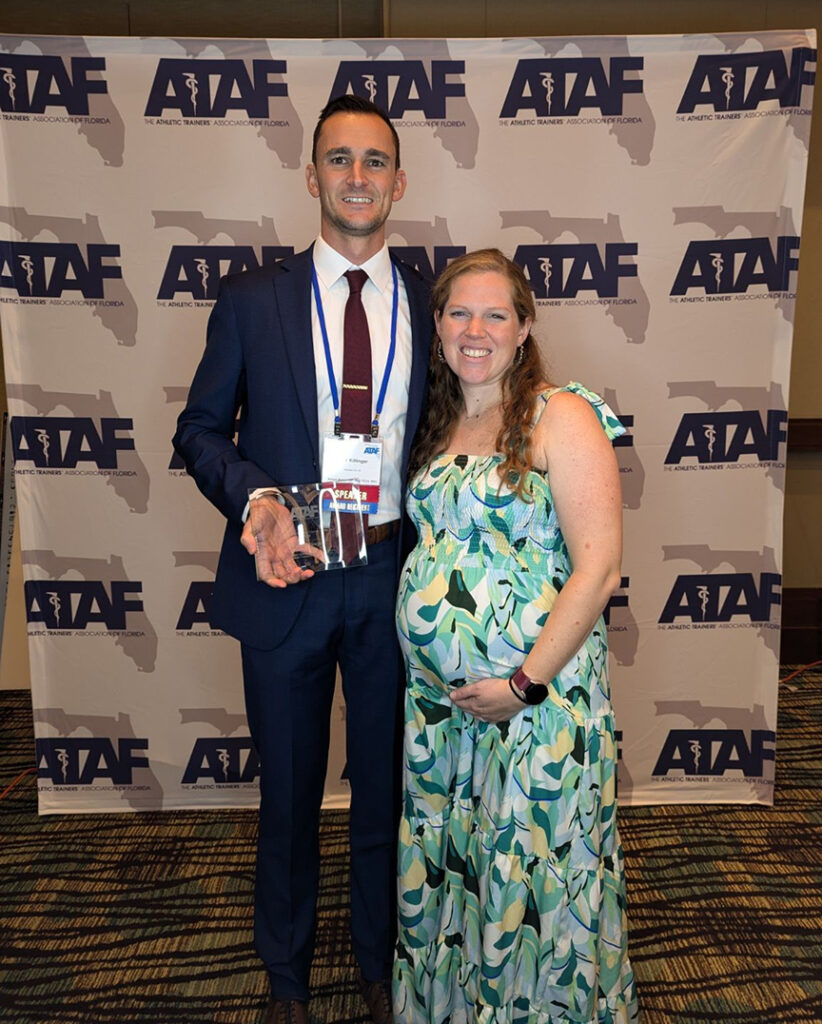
{"points": [[546, 267], [191, 85], [56, 604], [62, 758], [728, 79], [702, 592], [202, 266], [717, 262], [547, 80], [11, 82], [696, 750], [27, 263], [710, 437], [223, 759], [370, 86], [45, 442]]}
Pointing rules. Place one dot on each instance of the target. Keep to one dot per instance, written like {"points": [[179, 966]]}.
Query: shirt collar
{"points": [[331, 266]]}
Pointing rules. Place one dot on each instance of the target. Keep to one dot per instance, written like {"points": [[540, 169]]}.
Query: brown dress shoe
{"points": [[285, 1011], [377, 996]]}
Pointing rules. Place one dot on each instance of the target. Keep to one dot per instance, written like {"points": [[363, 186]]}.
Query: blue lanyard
{"points": [[389, 363]]}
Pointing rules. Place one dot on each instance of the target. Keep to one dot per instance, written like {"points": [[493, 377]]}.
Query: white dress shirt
{"points": [[377, 298]]}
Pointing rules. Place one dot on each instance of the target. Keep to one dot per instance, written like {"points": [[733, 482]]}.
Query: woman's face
{"points": [[479, 328]]}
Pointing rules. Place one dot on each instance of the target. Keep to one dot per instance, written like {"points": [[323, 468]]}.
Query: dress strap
{"points": [[605, 414]]}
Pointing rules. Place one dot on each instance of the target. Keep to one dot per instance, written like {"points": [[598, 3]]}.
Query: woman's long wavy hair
{"points": [[520, 385]]}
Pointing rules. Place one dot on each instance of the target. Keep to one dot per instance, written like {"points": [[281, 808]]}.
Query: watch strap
{"points": [[521, 680], [512, 686]]}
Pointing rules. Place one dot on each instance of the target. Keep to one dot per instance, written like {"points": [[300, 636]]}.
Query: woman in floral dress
{"points": [[511, 891]]}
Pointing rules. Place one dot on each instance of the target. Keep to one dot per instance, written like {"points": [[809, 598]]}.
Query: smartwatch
{"points": [[532, 691]]}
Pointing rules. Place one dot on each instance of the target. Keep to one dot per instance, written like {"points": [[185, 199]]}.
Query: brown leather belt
{"points": [[374, 534]]}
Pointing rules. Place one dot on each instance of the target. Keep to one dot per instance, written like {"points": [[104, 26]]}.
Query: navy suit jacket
{"points": [[259, 361]]}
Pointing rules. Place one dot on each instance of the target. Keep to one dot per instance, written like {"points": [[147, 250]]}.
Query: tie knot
{"points": [[356, 280]]}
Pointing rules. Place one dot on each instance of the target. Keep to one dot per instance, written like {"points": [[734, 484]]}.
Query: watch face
{"points": [[535, 693]]}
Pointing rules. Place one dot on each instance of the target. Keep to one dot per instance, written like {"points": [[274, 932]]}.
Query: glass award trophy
{"points": [[324, 528]]}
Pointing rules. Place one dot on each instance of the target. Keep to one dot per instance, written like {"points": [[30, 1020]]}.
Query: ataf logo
{"points": [[222, 760], [70, 761], [714, 752], [29, 84], [195, 270], [564, 86], [47, 269], [744, 81], [196, 605], [76, 604], [195, 611], [562, 271], [726, 437], [60, 442], [730, 266], [721, 597], [397, 86], [210, 88]]}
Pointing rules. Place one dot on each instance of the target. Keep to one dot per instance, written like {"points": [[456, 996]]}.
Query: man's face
{"points": [[355, 177]]}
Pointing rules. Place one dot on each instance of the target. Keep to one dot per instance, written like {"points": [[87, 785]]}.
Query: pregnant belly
{"points": [[469, 623]]}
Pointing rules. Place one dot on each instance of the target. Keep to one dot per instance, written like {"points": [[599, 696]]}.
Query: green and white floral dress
{"points": [[511, 887]]}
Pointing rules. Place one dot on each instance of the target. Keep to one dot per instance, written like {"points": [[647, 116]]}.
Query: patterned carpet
{"points": [[147, 918]]}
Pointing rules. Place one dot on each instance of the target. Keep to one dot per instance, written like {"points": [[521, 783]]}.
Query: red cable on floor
{"points": [[11, 785], [787, 679]]}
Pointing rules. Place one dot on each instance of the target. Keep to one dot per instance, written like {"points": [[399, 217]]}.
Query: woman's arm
{"points": [[570, 443]]}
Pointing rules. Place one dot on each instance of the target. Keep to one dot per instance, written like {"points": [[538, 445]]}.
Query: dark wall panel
{"points": [[82, 17], [249, 18]]}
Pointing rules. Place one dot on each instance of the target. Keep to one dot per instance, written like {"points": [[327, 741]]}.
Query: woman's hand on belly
{"points": [[490, 700]]}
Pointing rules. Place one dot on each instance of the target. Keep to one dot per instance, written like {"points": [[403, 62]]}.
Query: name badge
{"points": [[352, 461]]}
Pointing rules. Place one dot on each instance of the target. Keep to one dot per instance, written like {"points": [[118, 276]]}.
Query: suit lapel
{"points": [[292, 287]]}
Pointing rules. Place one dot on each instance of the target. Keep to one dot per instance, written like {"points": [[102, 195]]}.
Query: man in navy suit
{"points": [[269, 358]]}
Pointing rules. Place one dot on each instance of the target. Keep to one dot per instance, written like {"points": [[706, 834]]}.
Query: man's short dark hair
{"points": [[349, 104]]}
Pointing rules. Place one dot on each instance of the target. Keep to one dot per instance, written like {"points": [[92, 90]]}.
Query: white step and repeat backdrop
{"points": [[651, 188]]}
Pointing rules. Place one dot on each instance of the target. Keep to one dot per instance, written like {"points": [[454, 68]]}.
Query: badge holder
{"points": [[326, 531]]}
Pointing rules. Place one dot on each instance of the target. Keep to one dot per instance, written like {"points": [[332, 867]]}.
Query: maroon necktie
{"points": [[355, 407]]}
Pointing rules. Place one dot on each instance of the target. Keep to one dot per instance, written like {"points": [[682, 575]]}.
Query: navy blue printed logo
{"points": [[81, 761], [61, 442], [94, 432], [731, 266], [746, 595], [195, 270], [48, 269], [206, 88], [562, 271], [222, 761], [722, 597], [196, 605], [195, 609], [744, 81], [715, 752], [77, 604], [31, 84], [565, 86], [712, 438], [400, 86]]}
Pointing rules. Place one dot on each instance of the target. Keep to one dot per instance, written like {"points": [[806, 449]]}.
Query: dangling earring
{"points": [[440, 353], [520, 354]]}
